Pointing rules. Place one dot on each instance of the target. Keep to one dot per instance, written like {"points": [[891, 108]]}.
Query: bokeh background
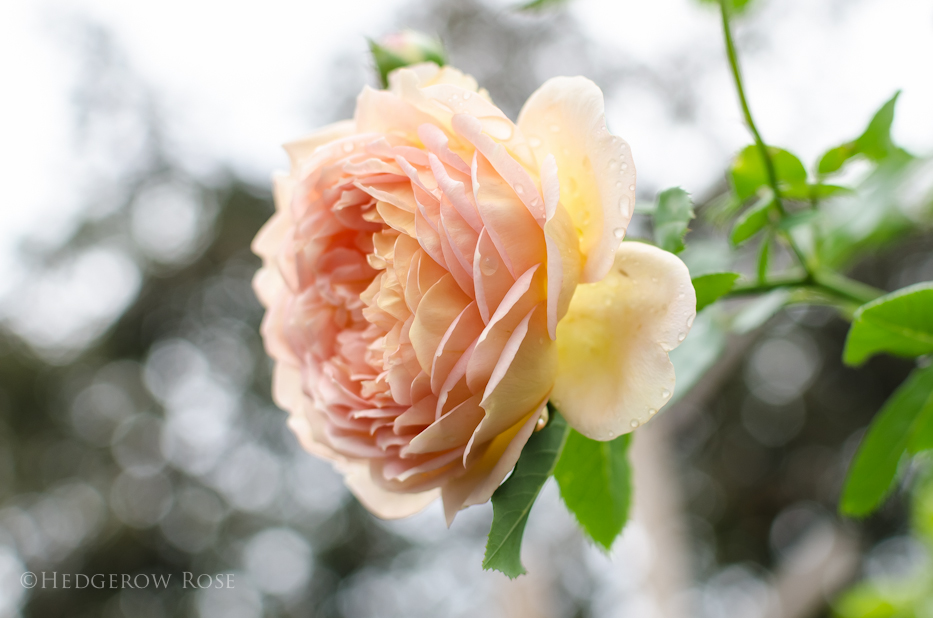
{"points": [[136, 430]]}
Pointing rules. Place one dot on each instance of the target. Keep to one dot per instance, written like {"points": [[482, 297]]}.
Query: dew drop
{"points": [[665, 393], [619, 184], [454, 97], [652, 412], [519, 189], [681, 336], [348, 147], [467, 95], [624, 166], [631, 187], [624, 202], [489, 265], [690, 320], [613, 165], [681, 295], [534, 141], [635, 423], [619, 232]]}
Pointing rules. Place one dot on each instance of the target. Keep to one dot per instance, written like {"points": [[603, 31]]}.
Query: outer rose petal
{"points": [[381, 502], [300, 149], [565, 118], [613, 367]]}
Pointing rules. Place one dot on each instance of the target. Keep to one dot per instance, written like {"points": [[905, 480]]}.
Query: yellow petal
{"points": [[565, 118], [613, 367]]}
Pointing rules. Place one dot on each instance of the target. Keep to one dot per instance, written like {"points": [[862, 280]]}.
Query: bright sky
{"points": [[823, 67]]}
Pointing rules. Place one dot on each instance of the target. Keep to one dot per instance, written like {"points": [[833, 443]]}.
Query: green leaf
{"points": [[807, 192], [752, 220], [596, 485], [673, 212], [921, 439], [798, 219], [764, 256], [900, 323], [749, 174], [540, 5], [875, 143], [874, 470], [710, 287], [513, 500], [835, 158], [738, 6]]}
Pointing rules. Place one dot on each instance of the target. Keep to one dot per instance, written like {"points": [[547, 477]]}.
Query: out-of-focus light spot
{"points": [[773, 425], [896, 559], [793, 523], [192, 523], [66, 308], [136, 445], [315, 485], [141, 604], [248, 477], [241, 601], [169, 222], [97, 411], [11, 586], [140, 502], [780, 370], [278, 560], [737, 591]]}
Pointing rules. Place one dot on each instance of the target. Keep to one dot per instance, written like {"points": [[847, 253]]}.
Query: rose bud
{"points": [[405, 48]]}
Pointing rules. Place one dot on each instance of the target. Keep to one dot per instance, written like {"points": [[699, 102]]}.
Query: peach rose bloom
{"points": [[434, 273]]}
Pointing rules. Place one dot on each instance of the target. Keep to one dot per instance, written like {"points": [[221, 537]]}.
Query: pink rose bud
{"points": [[434, 273], [405, 48]]}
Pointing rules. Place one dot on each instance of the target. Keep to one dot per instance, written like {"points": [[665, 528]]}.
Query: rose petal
{"points": [[613, 370], [565, 118], [382, 502]]}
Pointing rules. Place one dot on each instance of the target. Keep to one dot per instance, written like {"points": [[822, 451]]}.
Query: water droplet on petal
{"points": [[534, 141], [631, 187], [681, 336], [613, 165], [489, 265], [665, 393], [624, 203], [467, 95], [624, 166], [690, 320], [652, 411], [681, 295], [619, 232], [635, 423], [519, 189]]}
